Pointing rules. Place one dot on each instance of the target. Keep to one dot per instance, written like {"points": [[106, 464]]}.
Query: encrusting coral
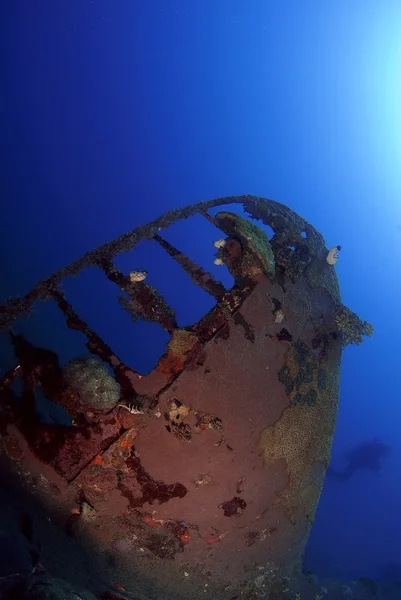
{"points": [[89, 376], [351, 327]]}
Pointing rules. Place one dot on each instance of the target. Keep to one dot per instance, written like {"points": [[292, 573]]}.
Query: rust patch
{"points": [[152, 491], [284, 336], [233, 507], [184, 349]]}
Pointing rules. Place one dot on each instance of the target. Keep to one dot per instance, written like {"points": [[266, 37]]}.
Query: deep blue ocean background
{"points": [[113, 112]]}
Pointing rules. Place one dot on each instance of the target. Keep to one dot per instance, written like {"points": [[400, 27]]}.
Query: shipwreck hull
{"points": [[203, 481]]}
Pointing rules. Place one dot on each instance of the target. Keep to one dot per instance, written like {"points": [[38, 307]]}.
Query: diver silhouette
{"points": [[366, 455]]}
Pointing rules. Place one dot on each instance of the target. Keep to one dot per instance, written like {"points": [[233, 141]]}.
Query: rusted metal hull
{"points": [[210, 489]]}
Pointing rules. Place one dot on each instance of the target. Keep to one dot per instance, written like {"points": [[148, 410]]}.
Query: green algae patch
{"points": [[251, 236]]}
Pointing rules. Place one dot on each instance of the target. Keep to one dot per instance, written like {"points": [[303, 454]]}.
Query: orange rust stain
{"points": [[214, 539], [98, 460], [185, 537], [125, 443], [149, 520], [120, 587], [171, 364]]}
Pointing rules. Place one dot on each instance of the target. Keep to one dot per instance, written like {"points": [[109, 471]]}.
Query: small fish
{"points": [[132, 407]]}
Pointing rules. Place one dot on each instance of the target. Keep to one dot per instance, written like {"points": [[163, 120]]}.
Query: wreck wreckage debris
{"points": [[218, 460]]}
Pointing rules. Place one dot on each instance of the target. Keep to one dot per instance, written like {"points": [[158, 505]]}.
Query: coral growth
{"points": [[89, 377], [251, 236], [351, 327]]}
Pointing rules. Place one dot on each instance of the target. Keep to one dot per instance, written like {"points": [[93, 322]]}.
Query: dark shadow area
{"points": [[367, 455]]}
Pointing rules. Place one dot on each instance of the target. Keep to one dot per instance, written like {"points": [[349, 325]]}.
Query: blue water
{"points": [[113, 112]]}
